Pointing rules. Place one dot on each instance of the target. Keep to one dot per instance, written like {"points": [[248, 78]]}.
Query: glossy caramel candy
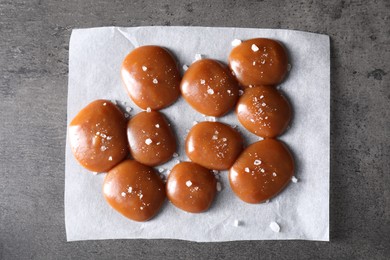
{"points": [[151, 139], [261, 171], [259, 61], [264, 111], [209, 87], [213, 145], [97, 136], [191, 187], [134, 190], [151, 77]]}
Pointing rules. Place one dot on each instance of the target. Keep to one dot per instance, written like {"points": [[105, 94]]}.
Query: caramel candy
{"points": [[151, 77], [151, 140], [97, 136], [134, 190], [261, 171], [259, 61], [213, 145], [209, 87], [264, 111], [191, 187]]}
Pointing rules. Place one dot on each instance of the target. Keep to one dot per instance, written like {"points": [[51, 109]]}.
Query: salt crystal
{"points": [[157, 126], [110, 158], [202, 81], [219, 186], [210, 119], [130, 189], [160, 170], [155, 81], [246, 169], [185, 67], [188, 183], [236, 42], [224, 139], [274, 174], [198, 56], [148, 141], [274, 226], [123, 194], [175, 155], [140, 196], [254, 48], [215, 171], [262, 170], [141, 208], [109, 137], [214, 137], [104, 104], [210, 91], [261, 96], [294, 179], [240, 92], [229, 91], [254, 63], [103, 148], [257, 162], [128, 109], [194, 123], [148, 110], [97, 133], [144, 68], [237, 223], [263, 104]]}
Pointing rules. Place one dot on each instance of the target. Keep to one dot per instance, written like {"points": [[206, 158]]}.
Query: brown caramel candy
{"points": [[97, 136], [151, 77], [259, 61], [261, 171], [209, 87], [191, 187], [264, 111], [151, 140], [213, 145], [134, 190]]}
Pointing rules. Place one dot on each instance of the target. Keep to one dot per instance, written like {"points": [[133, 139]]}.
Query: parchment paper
{"points": [[301, 210]]}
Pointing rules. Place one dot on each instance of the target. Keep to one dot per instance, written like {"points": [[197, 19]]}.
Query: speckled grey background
{"points": [[34, 37]]}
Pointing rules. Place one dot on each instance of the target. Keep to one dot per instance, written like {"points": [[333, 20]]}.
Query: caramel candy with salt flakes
{"points": [[259, 61], [213, 145], [261, 171], [97, 136], [209, 87], [134, 190], [151, 139], [151, 77], [264, 111], [191, 187]]}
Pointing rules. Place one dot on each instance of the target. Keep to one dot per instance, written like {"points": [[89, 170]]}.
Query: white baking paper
{"points": [[301, 210]]}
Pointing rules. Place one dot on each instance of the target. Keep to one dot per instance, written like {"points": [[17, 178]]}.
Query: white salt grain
{"points": [[155, 81], [175, 155], [185, 67], [157, 126], [160, 170], [128, 109], [103, 148], [257, 162], [123, 194], [254, 48], [144, 68], [236, 42], [110, 158], [188, 183], [202, 81], [294, 179], [148, 109], [130, 189], [237, 223], [274, 174], [198, 56], [274, 227], [240, 92], [104, 104], [210, 91], [148, 141], [219, 186], [246, 169]]}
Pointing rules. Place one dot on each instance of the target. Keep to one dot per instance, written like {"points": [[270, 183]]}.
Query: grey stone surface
{"points": [[34, 37]]}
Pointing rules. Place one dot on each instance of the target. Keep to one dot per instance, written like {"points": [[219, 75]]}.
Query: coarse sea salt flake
{"points": [[110, 158], [257, 162], [123, 194], [148, 109], [236, 42], [188, 183], [144, 68], [246, 169], [185, 67], [294, 179], [128, 109], [155, 81], [202, 81], [148, 141], [254, 48], [198, 56], [157, 126], [210, 91], [274, 226], [130, 189]]}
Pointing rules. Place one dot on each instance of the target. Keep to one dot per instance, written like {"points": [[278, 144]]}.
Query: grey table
{"points": [[34, 37]]}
